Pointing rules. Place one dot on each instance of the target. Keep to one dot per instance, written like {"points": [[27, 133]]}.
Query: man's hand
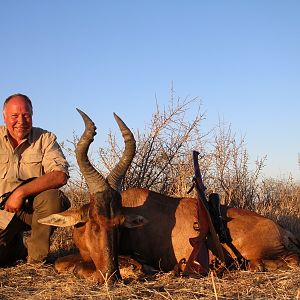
{"points": [[51, 180], [14, 202]]}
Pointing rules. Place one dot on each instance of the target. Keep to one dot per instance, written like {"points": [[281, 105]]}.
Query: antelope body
{"points": [[155, 229], [164, 241]]}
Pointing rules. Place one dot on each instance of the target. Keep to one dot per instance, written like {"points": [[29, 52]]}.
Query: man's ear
{"points": [[132, 221]]}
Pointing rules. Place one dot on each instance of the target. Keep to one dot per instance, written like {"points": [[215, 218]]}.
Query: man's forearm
{"points": [[52, 180]]}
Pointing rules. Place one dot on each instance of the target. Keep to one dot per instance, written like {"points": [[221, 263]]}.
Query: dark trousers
{"points": [[38, 243]]}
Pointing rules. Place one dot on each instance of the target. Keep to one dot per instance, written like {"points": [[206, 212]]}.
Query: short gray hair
{"points": [[26, 98]]}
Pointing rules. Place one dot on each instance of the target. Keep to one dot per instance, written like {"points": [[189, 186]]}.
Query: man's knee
{"points": [[52, 201]]}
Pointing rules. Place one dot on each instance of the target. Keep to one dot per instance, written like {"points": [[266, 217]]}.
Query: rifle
{"points": [[199, 259], [5, 216]]}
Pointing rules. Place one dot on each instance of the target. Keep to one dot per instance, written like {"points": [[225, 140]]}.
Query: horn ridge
{"points": [[93, 178], [117, 174]]}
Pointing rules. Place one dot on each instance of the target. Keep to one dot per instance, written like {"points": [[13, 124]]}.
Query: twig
{"points": [[214, 286]]}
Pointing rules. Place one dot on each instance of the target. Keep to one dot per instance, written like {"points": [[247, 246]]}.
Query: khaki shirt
{"points": [[38, 154]]}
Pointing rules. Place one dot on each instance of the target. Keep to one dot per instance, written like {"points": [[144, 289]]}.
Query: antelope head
{"points": [[96, 224]]}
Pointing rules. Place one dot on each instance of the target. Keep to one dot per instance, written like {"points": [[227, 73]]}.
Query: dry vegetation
{"points": [[164, 163], [41, 282]]}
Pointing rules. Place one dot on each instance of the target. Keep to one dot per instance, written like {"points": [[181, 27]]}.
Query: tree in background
{"points": [[163, 163]]}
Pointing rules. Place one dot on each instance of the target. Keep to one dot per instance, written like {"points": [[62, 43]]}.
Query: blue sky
{"points": [[241, 58]]}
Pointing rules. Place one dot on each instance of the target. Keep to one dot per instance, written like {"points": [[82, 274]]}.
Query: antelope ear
{"points": [[132, 221], [67, 218]]}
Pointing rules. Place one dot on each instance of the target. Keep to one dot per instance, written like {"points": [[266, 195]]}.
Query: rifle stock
{"points": [[199, 259]]}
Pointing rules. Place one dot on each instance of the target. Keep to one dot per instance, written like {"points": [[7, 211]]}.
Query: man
{"points": [[28, 152]]}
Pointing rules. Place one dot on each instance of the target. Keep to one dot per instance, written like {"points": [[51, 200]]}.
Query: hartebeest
{"points": [[95, 232], [168, 224], [164, 241]]}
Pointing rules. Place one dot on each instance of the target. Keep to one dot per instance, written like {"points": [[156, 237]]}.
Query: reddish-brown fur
{"points": [[164, 241], [92, 238], [95, 233]]}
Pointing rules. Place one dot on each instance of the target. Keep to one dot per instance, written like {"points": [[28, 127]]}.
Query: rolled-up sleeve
{"points": [[53, 157]]}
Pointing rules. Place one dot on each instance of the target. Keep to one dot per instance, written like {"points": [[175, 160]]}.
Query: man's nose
{"points": [[21, 119]]}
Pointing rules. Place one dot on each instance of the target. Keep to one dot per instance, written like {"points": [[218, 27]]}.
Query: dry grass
{"points": [[41, 282], [24, 281]]}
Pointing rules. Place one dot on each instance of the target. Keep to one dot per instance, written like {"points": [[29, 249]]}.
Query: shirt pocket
{"points": [[31, 166], [3, 165]]}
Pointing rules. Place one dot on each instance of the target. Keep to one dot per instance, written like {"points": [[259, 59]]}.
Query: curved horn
{"points": [[93, 178], [118, 172]]}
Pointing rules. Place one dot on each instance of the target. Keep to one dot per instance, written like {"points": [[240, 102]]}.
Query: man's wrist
{"points": [[20, 193]]}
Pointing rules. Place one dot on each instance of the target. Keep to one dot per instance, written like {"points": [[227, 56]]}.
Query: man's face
{"points": [[17, 116]]}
